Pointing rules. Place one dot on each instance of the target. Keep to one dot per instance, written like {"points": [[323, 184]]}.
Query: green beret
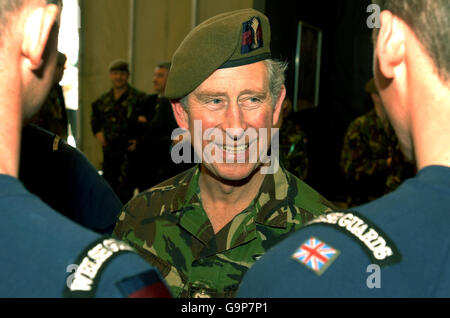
{"points": [[119, 65], [227, 40], [370, 87]]}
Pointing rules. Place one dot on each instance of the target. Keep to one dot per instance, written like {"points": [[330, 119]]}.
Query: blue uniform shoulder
{"points": [[41, 248], [397, 246]]}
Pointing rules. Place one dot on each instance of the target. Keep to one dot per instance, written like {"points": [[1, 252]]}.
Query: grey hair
{"points": [[276, 75]]}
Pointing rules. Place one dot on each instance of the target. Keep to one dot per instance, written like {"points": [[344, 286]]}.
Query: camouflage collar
{"points": [[273, 199], [123, 97], [270, 205]]}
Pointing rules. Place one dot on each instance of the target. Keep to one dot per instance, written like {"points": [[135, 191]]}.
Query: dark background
{"points": [[346, 66]]}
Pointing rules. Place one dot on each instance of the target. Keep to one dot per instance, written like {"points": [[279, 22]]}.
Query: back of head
{"points": [[430, 22], [7, 8], [61, 59]]}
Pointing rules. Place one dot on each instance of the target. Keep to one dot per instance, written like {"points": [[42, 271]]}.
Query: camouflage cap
{"points": [[119, 65], [227, 40]]}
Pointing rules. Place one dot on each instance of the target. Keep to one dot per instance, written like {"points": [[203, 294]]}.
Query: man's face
{"points": [[160, 79], [119, 79], [233, 100]]}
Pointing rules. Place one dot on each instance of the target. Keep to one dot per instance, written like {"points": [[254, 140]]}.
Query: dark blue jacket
{"points": [[41, 248], [63, 178], [406, 253]]}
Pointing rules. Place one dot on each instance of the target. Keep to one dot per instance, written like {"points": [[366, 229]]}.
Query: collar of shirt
{"points": [[268, 208], [122, 98]]}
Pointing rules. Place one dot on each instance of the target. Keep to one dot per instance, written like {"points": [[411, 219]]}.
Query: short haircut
{"points": [[430, 22], [7, 7], [165, 65]]}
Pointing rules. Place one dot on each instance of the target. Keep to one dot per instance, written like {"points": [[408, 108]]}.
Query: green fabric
{"points": [[209, 46], [365, 159], [168, 226], [117, 119]]}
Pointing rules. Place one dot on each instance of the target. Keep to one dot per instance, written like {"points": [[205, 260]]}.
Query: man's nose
{"points": [[235, 124]]}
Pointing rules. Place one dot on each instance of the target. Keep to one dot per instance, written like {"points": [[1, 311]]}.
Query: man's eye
{"points": [[216, 101], [251, 102]]}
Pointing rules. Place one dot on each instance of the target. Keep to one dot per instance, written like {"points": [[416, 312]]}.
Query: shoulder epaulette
{"points": [[378, 246]]}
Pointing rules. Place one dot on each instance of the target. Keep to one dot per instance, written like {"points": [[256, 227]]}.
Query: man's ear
{"points": [[181, 115], [37, 30], [279, 103], [390, 45]]}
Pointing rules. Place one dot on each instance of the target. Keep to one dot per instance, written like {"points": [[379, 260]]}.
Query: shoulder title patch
{"points": [[315, 255], [378, 246], [92, 262]]}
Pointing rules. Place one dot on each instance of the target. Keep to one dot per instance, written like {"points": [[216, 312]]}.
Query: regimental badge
{"points": [[252, 36], [316, 255]]}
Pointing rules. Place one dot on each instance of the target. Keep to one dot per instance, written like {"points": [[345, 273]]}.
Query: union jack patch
{"points": [[315, 255]]}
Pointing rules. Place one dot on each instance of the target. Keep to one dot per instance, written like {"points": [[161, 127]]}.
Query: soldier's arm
{"points": [[97, 123], [96, 118]]}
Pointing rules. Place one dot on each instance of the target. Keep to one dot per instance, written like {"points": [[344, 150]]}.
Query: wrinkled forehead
{"points": [[236, 80]]}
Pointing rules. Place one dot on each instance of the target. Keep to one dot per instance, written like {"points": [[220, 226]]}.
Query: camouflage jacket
{"points": [[168, 226], [116, 118], [367, 146], [293, 149], [371, 158]]}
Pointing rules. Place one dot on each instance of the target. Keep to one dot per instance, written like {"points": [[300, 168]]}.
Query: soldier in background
{"points": [[52, 115], [151, 161], [113, 120], [371, 159], [293, 143]]}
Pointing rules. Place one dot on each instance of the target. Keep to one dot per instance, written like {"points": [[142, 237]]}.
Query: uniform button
{"points": [[201, 294]]}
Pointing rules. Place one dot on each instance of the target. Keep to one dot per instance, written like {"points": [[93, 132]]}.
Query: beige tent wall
{"points": [[143, 31], [209, 8]]}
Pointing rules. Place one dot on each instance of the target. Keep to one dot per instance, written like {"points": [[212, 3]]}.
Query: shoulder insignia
{"points": [[145, 285], [316, 255], [378, 246], [252, 37], [56, 141], [91, 264]]}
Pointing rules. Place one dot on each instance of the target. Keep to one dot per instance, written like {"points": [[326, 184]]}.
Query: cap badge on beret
{"points": [[252, 37]]}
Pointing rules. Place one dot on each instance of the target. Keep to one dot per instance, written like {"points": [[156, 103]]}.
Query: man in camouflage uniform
{"points": [[371, 159], [113, 121], [205, 228], [293, 143], [52, 116]]}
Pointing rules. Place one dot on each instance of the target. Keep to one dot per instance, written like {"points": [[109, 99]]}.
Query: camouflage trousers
{"points": [[114, 159]]}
